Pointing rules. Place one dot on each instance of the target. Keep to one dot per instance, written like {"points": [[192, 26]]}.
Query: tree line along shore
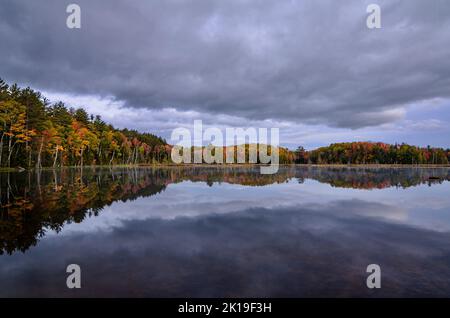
{"points": [[35, 133]]}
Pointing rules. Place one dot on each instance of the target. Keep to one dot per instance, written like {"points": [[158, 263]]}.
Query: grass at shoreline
{"points": [[8, 169]]}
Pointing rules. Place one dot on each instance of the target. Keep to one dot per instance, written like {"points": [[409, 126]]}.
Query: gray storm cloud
{"points": [[303, 61]]}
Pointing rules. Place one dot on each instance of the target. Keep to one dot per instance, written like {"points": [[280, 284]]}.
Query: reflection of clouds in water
{"points": [[351, 208], [304, 237], [290, 251], [189, 199]]}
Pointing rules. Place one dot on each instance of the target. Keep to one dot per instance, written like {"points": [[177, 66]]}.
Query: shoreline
{"points": [[198, 165]]}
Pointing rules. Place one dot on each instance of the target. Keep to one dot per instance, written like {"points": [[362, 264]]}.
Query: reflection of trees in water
{"points": [[32, 203], [376, 178], [343, 177]]}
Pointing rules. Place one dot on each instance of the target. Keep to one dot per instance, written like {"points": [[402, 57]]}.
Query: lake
{"points": [[226, 232]]}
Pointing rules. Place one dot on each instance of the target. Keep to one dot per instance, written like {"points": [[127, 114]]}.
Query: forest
{"points": [[373, 153], [35, 133]]}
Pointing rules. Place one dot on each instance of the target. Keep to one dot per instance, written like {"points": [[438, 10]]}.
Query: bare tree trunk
{"points": [[81, 161], [112, 157], [56, 158], [99, 154], [9, 151], [39, 164]]}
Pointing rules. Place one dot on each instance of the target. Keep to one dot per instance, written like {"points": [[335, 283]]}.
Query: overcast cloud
{"points": [[300, 62]]}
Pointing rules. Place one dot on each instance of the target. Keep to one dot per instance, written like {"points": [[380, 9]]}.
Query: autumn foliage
{"points": [[35, 133], [373, 153]]}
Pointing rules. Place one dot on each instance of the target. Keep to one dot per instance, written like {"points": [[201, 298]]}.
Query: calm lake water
{"points": [[226, 232]]}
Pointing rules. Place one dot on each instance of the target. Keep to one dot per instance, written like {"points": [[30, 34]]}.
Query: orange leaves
{"points": [[13, 118]]}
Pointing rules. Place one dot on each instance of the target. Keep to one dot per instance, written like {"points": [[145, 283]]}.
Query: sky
{"points": [[310, 68]]}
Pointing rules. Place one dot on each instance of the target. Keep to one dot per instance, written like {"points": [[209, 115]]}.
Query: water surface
{"points": [[226, 232]]}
